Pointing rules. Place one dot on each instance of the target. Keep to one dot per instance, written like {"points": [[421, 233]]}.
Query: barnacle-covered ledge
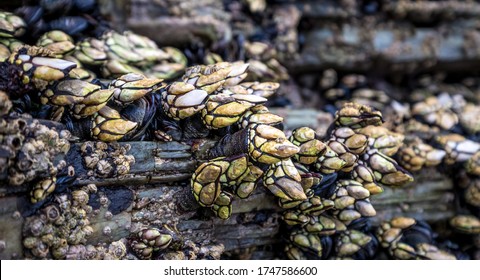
{"points": [[252, 224], [156, 161], [95, 193], [123, 163], [140, 162], [153, 192]]}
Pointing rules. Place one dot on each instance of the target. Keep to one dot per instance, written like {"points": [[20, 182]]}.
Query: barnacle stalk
{"points": [[263, 143]]}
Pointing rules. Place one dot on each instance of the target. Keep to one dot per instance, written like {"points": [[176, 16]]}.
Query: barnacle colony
{"points": [[251, 149], [323, 183]]}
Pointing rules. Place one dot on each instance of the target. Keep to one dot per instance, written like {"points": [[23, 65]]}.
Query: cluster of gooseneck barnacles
{"points": [[54, 81], [323, 182], [439, 128]]}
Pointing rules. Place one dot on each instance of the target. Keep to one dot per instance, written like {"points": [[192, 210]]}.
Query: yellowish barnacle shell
{"points": [[57, 41], [466, 223], [222, 206], [355, 116], [268, 144], [284, 181], [109, 126], [42, 189], [205, 183], [11, 25]]}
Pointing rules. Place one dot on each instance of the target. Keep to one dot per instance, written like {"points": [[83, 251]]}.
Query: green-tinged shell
{"points": [[284, 181], [355, 116], [109, 126], [11, 25], [268, 144]]}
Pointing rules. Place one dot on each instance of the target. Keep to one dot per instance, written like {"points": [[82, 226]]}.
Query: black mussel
{"points": [[70, 25], [84, 5], [30, 14], [52, 7]]}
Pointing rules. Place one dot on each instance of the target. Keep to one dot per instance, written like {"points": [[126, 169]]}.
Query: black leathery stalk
{"points": [[230, 144]]}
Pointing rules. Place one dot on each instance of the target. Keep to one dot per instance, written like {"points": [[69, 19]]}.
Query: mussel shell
{"points": [[70, 25], [30, 14], [326, 188], [142, 112], [56, 6], [84, 5], [421, 232]]}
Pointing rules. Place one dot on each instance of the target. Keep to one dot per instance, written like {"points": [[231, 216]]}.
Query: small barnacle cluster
{"points": [[439, 110], [416, 154], [155, 234], [150, 240], [29, 153], [106, 160], [91, 111], [61, 228], [433, 132], [60, 72], [439, 126], [76, 32], [164, 243], [58, 225]]}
